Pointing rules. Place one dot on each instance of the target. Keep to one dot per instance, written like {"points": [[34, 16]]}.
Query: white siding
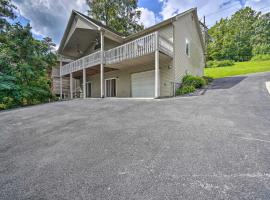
{"points": [[167, 32], [166, 80], [185, 29]]}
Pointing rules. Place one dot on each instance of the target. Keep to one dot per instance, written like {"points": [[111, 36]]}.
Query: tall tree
{"points": [[261, 38], [232, 37], [120, 15], [24, 63]]}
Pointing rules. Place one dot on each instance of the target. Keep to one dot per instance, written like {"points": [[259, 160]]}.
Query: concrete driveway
{"points": [[215, 146]]}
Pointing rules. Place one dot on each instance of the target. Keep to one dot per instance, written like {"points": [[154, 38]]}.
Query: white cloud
{"points": [[213, 10], [49, 17], [148, 17]]}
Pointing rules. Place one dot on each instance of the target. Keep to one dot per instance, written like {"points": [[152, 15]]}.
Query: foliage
{"points": [[261, 37], [261, 57], [195, 81], [24, 65], [186, 89], [238, 69], [122, 16], [238, 38], [219, 63], [6, 11], [190, 84]]}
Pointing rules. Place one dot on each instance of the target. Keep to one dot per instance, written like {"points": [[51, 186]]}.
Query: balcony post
{"points": [[71, 85], [102, 64], [61, 81], [84, 83], [157, 74]]}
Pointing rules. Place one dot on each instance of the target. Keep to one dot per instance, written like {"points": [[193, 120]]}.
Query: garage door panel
{"points": [[143, 84]]}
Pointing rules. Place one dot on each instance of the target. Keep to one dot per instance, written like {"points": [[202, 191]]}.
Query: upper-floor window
{"points": [[187, 47]]}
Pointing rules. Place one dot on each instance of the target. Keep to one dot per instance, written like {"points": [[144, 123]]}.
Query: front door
{"points": [[110, 88], [88, 89]]}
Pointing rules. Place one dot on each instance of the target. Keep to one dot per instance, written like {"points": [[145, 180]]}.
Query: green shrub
{"points": [[6, 102], [186, 77], [185, 89], [219, 63], [195, 81], [261, 57]]}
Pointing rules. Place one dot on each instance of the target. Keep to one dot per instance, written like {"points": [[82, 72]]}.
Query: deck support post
{"points": [[102, 64], [157, 74], [71, 85], [61, 80], [84, 83]]}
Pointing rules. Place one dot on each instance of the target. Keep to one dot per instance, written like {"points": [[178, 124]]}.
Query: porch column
{"points": [[157, 74], [101, 64], [61, 81], [84, 83], [71, 85]]}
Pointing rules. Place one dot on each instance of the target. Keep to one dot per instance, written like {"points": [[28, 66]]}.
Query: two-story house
{"points": [[149, 63]]}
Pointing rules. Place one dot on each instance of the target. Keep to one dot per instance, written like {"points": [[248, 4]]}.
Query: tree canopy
{"points": [[24, 66], [122, 16], [245, 34], [6, 11]]}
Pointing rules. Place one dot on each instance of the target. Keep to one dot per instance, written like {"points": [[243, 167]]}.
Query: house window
{"points": [[187, 47]]}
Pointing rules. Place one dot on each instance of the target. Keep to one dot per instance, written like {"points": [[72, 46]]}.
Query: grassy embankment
{"points": [[238, 68]]}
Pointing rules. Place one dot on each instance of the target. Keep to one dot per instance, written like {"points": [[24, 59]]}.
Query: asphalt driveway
{"points": [[214, 146]]}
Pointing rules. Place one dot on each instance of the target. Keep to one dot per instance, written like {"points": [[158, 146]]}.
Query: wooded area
{"points": [[244, 35], [25, 63]]}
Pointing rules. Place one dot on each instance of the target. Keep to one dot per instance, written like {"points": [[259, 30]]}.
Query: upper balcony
{"points": [[134, 49]]}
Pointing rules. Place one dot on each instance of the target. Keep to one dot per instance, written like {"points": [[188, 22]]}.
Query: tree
{"points": [[122, 16], [238, 37], [261, 37], [24, 63], [6, 11]]}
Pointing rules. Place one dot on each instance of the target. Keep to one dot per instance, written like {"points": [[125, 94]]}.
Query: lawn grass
{"points": [[238, 68]]}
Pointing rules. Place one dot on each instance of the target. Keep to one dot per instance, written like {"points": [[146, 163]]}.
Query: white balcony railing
{"points": [[84, 62], [136, 48], [133, 49]]}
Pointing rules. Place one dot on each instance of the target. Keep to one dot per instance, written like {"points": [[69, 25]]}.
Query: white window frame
{"points": [[187, 46]]}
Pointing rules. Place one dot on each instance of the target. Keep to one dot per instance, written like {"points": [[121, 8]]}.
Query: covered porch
{"points": [[130, 78]]}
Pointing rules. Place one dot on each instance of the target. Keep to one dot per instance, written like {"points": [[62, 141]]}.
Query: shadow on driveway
{"points": [[226, 83]]}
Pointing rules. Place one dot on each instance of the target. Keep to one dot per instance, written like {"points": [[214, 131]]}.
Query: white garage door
{"points": [[143, 84]]}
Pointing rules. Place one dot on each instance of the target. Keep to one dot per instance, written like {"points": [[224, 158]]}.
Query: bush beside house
{"points": [[190, 84]]}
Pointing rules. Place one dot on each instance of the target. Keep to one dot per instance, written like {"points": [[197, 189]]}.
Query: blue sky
{"points": [[49, 17]]}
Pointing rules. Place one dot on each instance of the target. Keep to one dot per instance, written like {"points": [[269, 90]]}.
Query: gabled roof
{"points": [[93, 22], [100, 26]]}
